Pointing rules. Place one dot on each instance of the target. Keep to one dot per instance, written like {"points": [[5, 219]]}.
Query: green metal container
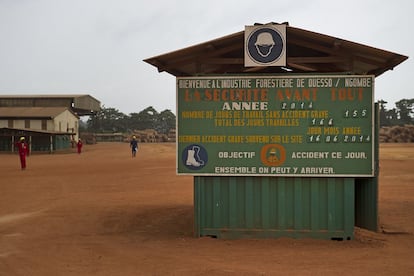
{"points": [[272, 207]]}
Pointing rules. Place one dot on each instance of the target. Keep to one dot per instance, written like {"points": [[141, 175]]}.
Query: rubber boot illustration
{"points": [[191, 160], [197, 151]]}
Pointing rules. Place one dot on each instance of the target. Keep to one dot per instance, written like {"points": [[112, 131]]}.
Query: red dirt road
{"points": [[105, 213]]}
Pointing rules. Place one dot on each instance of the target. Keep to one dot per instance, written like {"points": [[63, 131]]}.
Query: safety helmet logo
{"points": [[265, 45]]}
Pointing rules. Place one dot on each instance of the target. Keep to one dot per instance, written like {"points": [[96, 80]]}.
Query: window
{"points": [[44, 124]]}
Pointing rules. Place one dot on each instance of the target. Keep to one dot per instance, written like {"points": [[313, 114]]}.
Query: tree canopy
{"points": [[402, 114], [109, 119]]}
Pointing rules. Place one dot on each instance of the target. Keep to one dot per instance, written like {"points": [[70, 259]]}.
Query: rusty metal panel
{"points": [[271, 207]]}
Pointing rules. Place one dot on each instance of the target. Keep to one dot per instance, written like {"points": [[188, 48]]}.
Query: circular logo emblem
{"points": [[273, 155], [265, 45], [194, 157]]}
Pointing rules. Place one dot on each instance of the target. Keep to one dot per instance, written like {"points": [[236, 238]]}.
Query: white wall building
{"points": [[50, 119]]}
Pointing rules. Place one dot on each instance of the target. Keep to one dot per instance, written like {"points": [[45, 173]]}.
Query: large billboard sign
{"points": [[290, 125]]}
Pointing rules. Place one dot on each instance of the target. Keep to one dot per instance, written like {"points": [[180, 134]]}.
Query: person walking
{"points": [[79, 146], [23, 151], [134, 146]]}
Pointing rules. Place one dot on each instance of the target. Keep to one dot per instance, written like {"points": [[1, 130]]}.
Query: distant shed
{"points": [[47, 128]]}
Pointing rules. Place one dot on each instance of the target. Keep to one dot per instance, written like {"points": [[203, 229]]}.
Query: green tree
{"points": [[112, 120], [391, 117], [405, 111], [146, 119], [107, 120], [165, 121]]}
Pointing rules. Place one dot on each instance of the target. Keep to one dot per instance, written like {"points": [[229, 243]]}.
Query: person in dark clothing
{"points": [[134, 146]]}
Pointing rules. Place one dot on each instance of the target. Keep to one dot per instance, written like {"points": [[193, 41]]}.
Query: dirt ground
{"points": [[105, 213]]}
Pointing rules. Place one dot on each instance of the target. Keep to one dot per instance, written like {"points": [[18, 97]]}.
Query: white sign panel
{"points": [[265, 45]]}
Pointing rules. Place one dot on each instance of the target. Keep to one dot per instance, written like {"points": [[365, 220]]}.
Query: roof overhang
{"points": [[307, 52], [48, 113], [35, 131], [81, 104]]}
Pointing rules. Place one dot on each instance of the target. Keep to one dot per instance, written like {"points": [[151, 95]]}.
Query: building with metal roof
{"points": [[47, 128], [81, 104], [50, 121]]}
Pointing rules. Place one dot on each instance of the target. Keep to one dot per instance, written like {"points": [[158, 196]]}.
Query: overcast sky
{"points": [[97, 47]]}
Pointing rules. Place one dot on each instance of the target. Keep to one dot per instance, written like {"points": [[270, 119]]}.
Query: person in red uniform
{"points": [[79, 145], [23, 151]]}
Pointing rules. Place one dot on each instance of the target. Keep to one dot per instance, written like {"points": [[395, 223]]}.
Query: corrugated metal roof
{"points": [[307, 52], [54, 96], [32, 112], [30, 130], [82, 104]]}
